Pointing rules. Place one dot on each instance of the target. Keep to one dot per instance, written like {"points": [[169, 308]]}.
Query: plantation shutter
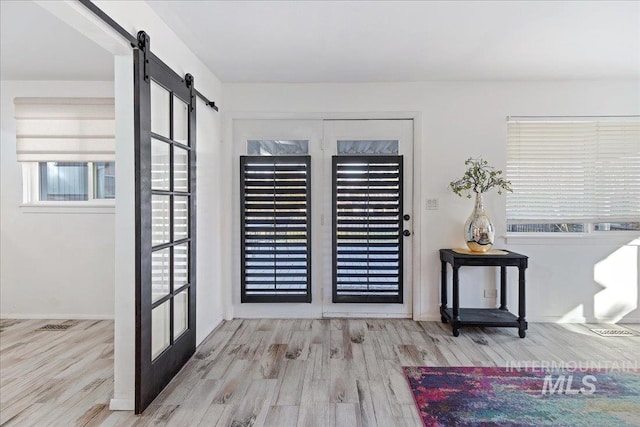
{"points": [[65, 129], [572, 171], [367, 237], [275, 194]]}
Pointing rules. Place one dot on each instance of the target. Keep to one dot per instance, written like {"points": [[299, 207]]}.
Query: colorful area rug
{"points": [[525, 397]]}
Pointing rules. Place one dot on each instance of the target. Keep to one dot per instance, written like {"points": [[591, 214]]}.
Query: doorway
{"points": [[368, 201], [353, 217]]}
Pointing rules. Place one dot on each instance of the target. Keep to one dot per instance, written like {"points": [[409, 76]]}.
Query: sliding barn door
{"points": [[165, 225]]}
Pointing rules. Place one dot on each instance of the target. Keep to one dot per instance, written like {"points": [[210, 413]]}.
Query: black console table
{"points": [[497, 317]]}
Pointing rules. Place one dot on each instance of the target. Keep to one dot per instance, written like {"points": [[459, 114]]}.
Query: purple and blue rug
{"points": [[467, 396]]}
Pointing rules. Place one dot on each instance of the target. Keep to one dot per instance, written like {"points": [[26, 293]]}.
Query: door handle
{"points": [[406, 233]]}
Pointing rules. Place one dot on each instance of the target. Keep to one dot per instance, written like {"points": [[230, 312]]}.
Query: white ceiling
{"points": [[353, 41], [35, 45]]}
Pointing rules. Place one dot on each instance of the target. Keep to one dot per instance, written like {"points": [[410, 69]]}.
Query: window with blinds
{"points": [[275, 197], [67, 149], [576, 174], [367, 234]]}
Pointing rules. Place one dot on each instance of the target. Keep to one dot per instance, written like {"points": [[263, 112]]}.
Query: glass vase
{"points": [[479, 232]]}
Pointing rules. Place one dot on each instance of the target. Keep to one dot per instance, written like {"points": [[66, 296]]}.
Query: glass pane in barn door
{"points": [[180, 217], [160, 158], [165, 219], [160, 105], [161, 268], [180, 121], [368, 170]]}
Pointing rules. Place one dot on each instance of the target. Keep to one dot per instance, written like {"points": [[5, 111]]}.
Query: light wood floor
{"points": [[271, 372]]}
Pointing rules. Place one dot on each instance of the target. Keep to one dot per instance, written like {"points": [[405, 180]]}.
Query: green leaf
{"points": [[480, 177]]}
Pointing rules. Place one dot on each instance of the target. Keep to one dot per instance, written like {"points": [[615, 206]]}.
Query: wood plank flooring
{"points": [[280, 373]]}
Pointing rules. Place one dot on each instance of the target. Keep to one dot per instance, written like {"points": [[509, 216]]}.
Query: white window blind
{"points": [[65, 129], [573, 170]]}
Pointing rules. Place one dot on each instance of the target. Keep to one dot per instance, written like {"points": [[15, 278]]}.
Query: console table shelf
{"points": [[492, 317]]}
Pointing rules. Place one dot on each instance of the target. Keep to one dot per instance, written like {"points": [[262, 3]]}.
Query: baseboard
{"points": [[428, 318], [200, 339], [253, 316], [121, 404], [22, 316], [315, 316], [581, 319], [349, 315]]}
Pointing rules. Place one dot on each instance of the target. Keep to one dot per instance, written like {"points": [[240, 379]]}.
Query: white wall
{"points": [[463, 119], [53, 265], [125, 266]]}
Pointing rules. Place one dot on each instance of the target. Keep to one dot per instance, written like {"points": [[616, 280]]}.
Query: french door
{"points": [[165, 225], [368, 188], [323, 216]]}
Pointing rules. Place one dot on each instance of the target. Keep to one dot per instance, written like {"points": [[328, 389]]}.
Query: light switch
{"points": [[432, 204]]}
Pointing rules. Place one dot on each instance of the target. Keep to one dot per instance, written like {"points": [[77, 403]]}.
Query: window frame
{"points": [[589, 234], [589, 231], [93, 183], [31, 193]]}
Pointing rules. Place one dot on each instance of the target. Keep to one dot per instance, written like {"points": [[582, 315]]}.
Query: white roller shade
{"points": [[573, 171], [65, 129]]}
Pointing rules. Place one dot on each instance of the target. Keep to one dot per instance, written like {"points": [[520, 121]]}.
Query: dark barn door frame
{"points": [[152, 375]]}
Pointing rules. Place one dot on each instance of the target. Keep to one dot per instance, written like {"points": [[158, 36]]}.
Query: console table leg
{"points": [[521, 303], [503, 288], [456, 297], [443, 292], [443, 285]]}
